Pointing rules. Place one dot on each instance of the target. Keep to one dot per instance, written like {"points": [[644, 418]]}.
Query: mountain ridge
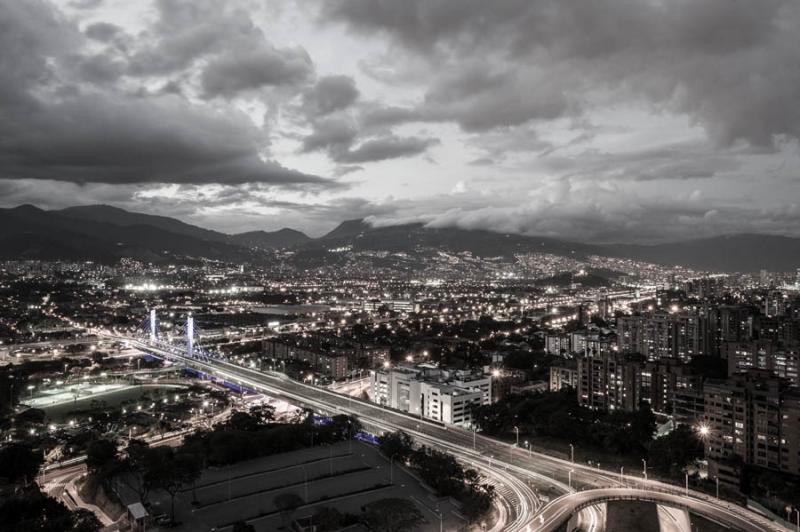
{"points": [[105, 233]]}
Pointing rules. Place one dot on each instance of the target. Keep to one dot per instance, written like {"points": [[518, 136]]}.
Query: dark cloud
{"points": [[671, 162], [188, 31], [382, 116], [494, 64], [589, 213], [164, 139], [390, 147], [102, 31], [338, 136], [335, 134], [86, 4], [347, 169], [229, 75], [331, 93], [64, 118], [99, 69]]}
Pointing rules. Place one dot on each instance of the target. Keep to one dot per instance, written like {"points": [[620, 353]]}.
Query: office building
{"points": [[437, 394]]}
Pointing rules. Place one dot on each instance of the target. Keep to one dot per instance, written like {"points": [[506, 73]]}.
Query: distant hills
{"points": [[104, 233], [282, 238], [742, 253], [27, 232], [482, 243]]}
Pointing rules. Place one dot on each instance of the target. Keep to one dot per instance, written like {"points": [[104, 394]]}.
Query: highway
{"points": [[514, 470], [518, 498], [558, 511]]}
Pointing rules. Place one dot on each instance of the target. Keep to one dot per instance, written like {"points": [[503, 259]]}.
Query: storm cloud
{"points": [[65, 119], [614, 120], [723, 63]]}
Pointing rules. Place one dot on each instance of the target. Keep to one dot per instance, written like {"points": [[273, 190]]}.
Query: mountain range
{"points": [[104, 233]]}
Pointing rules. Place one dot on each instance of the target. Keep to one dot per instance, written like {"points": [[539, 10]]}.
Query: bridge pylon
{"points": [[190, 335], [153, 325]]}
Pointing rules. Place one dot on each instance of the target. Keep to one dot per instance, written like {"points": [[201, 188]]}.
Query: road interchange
{"points": [[514, 470]]}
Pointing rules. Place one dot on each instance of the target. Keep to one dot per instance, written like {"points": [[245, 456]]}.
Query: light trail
{"points": [[530, 516]]}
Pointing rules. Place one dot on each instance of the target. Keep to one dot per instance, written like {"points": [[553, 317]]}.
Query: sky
{"points": [[603, 121]]}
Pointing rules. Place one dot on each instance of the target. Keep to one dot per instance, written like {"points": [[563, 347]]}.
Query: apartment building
{"points": [[752, 418]]}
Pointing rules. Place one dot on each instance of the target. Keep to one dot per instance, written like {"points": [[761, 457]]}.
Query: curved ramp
{"points": [[557, 512]]}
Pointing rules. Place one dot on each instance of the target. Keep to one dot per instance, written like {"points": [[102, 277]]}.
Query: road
{"points": [[558, 511], [512, 468], [519, 499]]}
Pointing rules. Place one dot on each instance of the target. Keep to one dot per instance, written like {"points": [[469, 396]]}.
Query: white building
{"points": [[441, 395]]}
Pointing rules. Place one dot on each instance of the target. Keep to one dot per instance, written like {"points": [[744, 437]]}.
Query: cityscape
{"points": [[357, 265]]}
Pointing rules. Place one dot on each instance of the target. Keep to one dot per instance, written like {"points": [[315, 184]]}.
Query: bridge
{"points": [[511, 469], [557, 512]]}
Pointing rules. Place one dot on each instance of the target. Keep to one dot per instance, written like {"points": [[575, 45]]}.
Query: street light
{"points": [[569, 473], [572, 453], [703, 430], [717, 479], [516, 430], [528, 445], [644, 468], [391, 468]]}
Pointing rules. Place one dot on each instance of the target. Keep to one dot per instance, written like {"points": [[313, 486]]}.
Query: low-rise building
{"points": [[428, 391]]}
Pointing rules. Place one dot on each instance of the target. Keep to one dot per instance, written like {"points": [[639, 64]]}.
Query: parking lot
{"points": [[345, 476]]}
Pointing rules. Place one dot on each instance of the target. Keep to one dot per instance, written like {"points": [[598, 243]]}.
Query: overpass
{"points": [[555, 514], [519, 500], [512, 470]]}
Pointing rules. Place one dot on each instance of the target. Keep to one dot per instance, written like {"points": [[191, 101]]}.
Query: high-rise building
{"points": [[774, 304], [751, 418], [734, 323], [782, 360], [607, 382], [664, 335]]}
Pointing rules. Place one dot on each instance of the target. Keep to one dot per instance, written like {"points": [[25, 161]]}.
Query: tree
{"points": [[85, 521], [393, 515], [101, 456], [32, 510], [643, 425], [440, 470], [326, 518], [397, 444], [670, 454], [170, 471], [134, 466], [287, 503], [243, 526], [19, 462], [244, 422]]}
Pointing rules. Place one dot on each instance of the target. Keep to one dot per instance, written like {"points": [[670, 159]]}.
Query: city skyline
{"points": [[615, 122], [399, 265]]}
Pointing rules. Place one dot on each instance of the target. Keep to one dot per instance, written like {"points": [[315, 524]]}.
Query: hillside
{"points": [[104, 233]]}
